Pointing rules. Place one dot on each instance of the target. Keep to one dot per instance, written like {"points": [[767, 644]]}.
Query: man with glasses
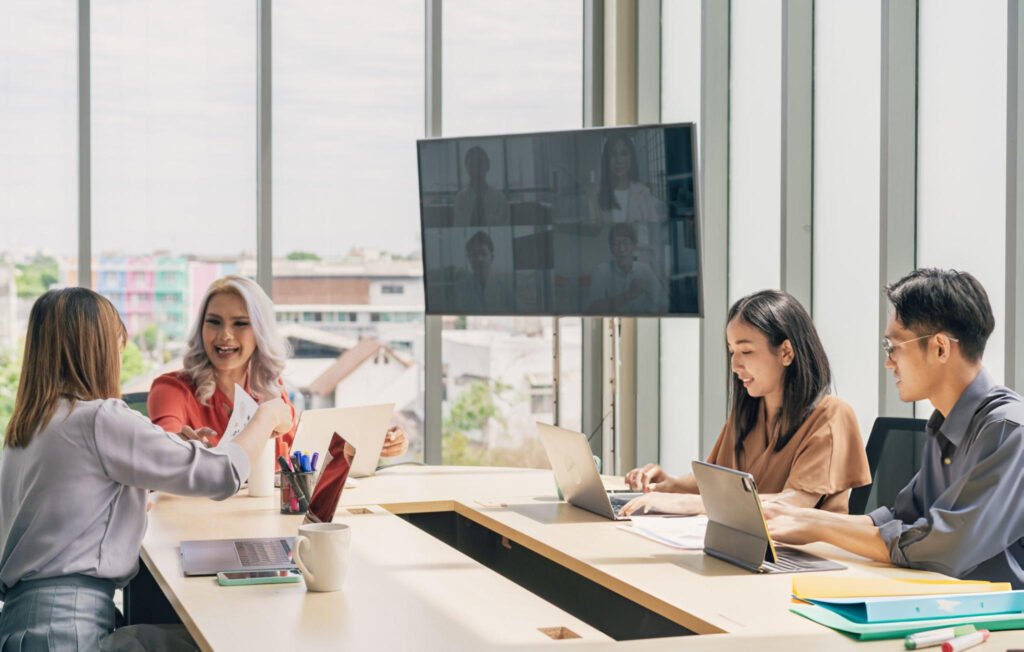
{"points": [[962, 513]]}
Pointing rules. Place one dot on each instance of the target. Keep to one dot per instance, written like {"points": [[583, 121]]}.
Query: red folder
{"points": [[327, 493]]}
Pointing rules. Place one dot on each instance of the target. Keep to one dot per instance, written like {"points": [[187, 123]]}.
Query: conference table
{"points": [[468, 558]]}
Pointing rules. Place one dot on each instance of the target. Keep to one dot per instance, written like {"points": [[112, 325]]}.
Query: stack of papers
{"points": [[685, 533], [868, 608]]}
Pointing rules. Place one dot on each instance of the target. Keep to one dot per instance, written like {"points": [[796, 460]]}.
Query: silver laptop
{"points": [[576, 473], [215, 555], [737, 531], [363, 426]]}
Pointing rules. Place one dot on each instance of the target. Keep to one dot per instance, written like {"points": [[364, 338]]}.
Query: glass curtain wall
{"points": [[348, 90], [38, 168], [173, 165], [508, 66]]}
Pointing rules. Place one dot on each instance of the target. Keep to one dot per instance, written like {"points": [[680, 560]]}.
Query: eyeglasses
{"points": [[889, 346]]}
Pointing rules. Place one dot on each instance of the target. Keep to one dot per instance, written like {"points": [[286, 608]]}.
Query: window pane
{"points": [[755, 146], [680, 338], [38, 168], [847, 101], [174, 161], [509, 66], [348, 286], [961, 219]]}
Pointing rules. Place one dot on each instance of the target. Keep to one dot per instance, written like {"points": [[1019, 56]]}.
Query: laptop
{"points": [[576, 473], [213, 556], [737, 531], [363, 426]]}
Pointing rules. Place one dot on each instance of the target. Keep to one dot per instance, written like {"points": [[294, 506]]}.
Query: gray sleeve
{"points": [[975, 519], [136, 453], [881, 516]]}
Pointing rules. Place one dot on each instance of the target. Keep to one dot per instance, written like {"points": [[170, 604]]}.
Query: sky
{"points": [[174, 116]]}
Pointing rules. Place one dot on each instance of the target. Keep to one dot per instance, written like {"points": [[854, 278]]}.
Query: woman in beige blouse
{"points": [[802, 445]]}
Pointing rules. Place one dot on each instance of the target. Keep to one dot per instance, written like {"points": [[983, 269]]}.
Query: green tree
{"points": [[474, 410], [36, 276], [10, 371], [132, 362], [302, 255], [150, 338]]}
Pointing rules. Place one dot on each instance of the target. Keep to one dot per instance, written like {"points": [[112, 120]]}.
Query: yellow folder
{"points": [[824, 586]]}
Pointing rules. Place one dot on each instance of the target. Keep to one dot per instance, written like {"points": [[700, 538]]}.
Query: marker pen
{"points": [[964, 642]]}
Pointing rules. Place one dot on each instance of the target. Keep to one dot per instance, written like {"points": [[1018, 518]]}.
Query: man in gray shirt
{"points": [[960, 515]]}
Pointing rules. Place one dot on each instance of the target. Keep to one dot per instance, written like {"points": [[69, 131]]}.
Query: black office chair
{"points": [[894, 456], [137, 401]]}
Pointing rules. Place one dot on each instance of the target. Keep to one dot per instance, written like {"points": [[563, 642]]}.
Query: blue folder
{"points": [[899, 629], [895, 609]]}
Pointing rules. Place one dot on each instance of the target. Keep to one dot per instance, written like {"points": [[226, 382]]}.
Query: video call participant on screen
{"points": [[478, 290], [478, 204], [961, 514], [802, 445], [623, 284], [621, 197], [73, 480], [234, 341]]}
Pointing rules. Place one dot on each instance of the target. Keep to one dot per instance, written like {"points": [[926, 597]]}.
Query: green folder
{"points": [[873, 631]]}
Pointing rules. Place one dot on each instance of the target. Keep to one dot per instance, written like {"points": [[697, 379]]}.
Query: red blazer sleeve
{"points": [[167, 403]]}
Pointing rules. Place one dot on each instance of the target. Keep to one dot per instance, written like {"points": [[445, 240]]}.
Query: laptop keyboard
{"points": [[789, 560], [620, 499], [263, 553]]}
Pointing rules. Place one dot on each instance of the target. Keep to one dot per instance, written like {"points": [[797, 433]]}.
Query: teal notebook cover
{"points": [[880, 610], [872, 631]]}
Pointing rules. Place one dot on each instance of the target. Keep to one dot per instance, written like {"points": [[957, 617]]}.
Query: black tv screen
{"points": [[596, 222]]}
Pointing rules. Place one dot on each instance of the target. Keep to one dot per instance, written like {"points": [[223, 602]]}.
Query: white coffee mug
{"points": [[321, 553]]}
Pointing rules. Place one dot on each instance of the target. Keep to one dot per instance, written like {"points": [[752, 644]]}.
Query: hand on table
{"points": [[685, 504], [646, 478]]}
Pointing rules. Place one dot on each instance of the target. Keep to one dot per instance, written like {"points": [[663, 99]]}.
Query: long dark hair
{"points": [[805, 381], [606, 194]]}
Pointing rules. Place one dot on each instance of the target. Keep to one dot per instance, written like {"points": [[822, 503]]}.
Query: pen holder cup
{"points": [[291, 503]]}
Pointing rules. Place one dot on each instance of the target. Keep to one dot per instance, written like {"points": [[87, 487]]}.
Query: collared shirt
{"points": [[961, 514]]}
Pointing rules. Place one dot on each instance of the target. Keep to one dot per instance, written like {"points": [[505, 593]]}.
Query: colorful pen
{"points": [[305, 463], [964, 642], [936, 636], [312, 463]]}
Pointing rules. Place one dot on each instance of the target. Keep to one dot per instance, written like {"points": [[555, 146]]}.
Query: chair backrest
{"points": [[137, 401], [894, 456]]}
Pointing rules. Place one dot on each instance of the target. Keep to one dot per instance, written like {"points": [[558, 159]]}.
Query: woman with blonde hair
{"points": [[234, 341], [74, 474]]}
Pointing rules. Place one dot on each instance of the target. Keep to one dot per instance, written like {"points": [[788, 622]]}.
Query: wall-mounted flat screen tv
{"points": [[595, 222]]}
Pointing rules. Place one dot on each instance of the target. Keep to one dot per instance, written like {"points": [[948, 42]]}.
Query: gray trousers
{"points": [[59, 614], [75, 613]]}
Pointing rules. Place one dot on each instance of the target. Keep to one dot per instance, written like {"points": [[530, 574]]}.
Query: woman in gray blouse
{"points": [[74, 474]]}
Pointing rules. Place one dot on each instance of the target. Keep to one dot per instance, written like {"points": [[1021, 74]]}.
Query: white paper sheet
{"points": [[241, 414], [686, 533]]}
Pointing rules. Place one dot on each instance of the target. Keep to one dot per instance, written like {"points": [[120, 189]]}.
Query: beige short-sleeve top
{"points": [[825, 456]]}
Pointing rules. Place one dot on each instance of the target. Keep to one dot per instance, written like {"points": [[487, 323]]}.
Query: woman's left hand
{"points": [[395, 443]]}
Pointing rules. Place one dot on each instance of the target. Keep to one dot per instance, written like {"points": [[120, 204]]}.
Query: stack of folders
{"points": [[868, 609]]}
